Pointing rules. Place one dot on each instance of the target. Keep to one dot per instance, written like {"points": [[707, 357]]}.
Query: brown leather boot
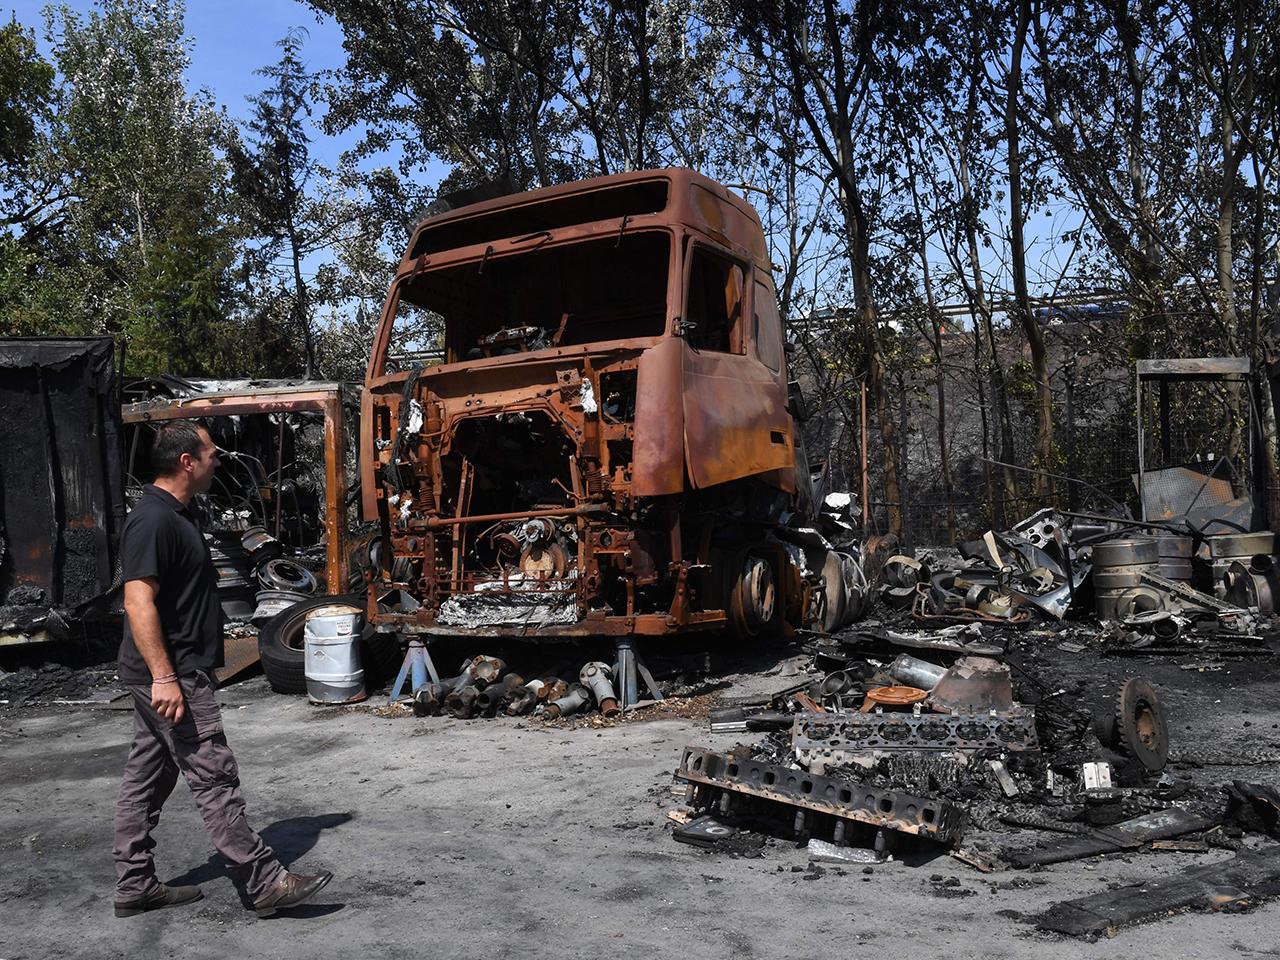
{"points": [[289, 891], [161, 896]]}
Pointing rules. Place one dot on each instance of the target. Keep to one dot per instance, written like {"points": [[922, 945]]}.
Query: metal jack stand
{"points": [[417, 665], [625, 672]]}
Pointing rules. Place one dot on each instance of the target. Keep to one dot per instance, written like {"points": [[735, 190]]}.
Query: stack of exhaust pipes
{"points": [[484, 688]]}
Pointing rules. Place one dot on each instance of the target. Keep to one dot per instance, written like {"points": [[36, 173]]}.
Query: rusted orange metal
{"points": [[614, 391], [893, 698], [324, 398]]}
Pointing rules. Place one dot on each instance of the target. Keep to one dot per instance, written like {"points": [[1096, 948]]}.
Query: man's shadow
{"points": [[289, 839]]}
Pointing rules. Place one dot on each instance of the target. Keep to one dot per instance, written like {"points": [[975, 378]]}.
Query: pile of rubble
{"points": [[905, 739], [1163, 585]]}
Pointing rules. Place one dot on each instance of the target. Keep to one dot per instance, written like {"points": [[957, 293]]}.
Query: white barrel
{"points": [[332, 639]]}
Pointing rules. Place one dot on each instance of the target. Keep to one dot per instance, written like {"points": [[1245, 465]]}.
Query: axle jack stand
{"points": [[625, 673], [416, 667]]}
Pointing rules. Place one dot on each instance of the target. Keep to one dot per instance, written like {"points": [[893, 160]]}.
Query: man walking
{"points": [[172, 643]]}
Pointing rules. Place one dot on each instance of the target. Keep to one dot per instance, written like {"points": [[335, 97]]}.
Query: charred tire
{"points": [[282, 650], [1141, 730]]}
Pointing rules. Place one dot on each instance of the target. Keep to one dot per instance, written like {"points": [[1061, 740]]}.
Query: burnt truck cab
{"points": [[606, 448]]}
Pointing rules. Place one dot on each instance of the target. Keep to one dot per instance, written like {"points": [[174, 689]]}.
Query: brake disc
{"points": [[1141, 730]]}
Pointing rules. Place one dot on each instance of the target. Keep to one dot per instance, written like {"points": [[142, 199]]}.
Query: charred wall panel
{"points": [[61, 499]]}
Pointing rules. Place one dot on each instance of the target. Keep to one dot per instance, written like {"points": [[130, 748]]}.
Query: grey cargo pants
{"points": [[196, 747]]}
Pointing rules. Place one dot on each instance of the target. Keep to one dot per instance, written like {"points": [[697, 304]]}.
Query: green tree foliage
{"points": [[137, 234], [26, 86], [272, 173], [534, 93]]}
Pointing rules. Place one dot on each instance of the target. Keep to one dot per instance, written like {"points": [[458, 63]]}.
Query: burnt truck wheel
{"points": [[752, 595], [282, 648]]}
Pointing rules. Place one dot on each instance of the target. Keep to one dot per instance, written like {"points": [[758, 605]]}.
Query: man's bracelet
{"points": [[171, 678]]}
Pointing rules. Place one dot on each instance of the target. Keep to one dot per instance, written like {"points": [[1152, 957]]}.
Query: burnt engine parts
{"points": [[726, 782], [1134, 725]]}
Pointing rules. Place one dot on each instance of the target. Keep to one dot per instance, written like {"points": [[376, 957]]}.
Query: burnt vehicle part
{"points": [[574, 700], [61, 508], [608, 448], [1135, 725], [324, 399], [598, 678], [717, 779], [1127, 835], [830, 739]]}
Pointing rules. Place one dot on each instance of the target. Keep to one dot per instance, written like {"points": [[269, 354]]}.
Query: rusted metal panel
{"points": [[658, 465], [61, 499], [735, 419]]}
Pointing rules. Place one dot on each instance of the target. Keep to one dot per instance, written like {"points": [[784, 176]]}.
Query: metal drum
{"points": [[1175, 556], [1215, 555], [1118, 566], [332, 665]]}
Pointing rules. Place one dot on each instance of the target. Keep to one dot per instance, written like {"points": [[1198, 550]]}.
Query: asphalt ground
{"points": [[505, 837]]}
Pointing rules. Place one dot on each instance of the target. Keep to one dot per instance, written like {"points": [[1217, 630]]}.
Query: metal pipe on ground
{"points": [[915, 672], [571, 702], [428, 698], [598, 678], [525, 699], [493, 696], [461, 703], [484, 670]]}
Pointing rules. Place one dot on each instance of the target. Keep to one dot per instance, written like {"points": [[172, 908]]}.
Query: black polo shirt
{"points": [[162, 539]]}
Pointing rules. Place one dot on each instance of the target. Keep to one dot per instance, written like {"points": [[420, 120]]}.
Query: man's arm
{"points": [[148, 637]]}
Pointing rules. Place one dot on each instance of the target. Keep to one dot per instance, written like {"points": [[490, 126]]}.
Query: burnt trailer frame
{"points": [[707, 423], [319, 397]]}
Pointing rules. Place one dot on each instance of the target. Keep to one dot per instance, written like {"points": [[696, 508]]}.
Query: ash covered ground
{"points": [[560, 832]]}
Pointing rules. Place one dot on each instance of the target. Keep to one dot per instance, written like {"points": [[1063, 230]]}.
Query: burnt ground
{"points": [[480, 838]]}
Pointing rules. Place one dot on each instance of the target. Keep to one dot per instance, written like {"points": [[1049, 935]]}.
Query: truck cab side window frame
{"points": [[716, 299]]}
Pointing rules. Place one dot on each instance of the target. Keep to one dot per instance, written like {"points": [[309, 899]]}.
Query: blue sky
{"points": [[232, 39]]}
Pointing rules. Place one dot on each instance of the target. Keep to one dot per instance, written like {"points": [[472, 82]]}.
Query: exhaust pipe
{"points": [[598, 678]]}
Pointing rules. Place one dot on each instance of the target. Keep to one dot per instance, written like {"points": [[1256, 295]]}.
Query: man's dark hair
{"points": [[172, 440]]}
